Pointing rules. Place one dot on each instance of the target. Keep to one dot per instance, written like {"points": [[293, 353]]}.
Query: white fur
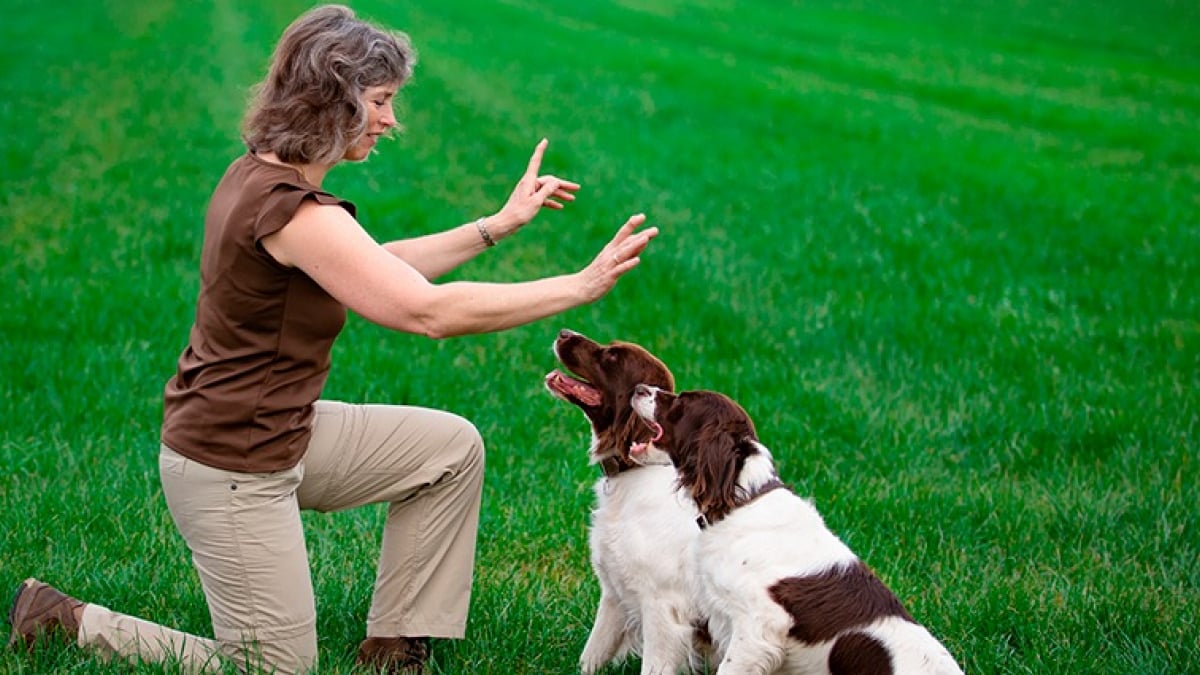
{"points": [[775, 536], [642, 531], [641, 537]]}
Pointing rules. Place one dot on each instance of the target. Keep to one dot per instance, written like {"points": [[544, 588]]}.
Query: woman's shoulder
{"points": [[257, 179]]}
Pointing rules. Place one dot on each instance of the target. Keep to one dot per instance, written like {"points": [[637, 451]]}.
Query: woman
{"points": [[246, 442]]}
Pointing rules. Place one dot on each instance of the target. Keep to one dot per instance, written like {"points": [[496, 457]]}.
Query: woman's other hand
{"points": [[616, 258]]}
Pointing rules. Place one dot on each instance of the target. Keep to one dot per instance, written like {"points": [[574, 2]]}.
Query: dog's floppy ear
{"points": [[714, 460]]}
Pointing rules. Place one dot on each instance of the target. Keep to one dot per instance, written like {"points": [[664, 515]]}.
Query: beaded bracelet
{"points": [[483, 232]]}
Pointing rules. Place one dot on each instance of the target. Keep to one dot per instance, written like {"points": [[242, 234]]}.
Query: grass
{"points": [[944, 252]]}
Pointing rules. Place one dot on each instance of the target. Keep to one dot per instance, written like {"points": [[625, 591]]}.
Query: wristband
{"points": [[483, 232]]}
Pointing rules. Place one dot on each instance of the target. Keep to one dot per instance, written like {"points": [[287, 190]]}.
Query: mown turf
{"points": [[944, 252]]}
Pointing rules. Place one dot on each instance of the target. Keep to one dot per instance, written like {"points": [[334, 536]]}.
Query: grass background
{"points": [[945, 253]]}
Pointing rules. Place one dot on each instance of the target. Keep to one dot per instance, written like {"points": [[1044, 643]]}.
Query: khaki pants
{"points": [[247, 542]]}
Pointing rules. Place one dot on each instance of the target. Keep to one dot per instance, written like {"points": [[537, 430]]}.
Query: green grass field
{"points": [[946, 253]]}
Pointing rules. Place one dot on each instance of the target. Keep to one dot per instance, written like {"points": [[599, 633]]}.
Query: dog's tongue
{"points": [[569, 386], [637, 449]]}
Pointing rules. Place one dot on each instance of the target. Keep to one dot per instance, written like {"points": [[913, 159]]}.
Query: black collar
{"points": [[615, 464], [703, 521]]}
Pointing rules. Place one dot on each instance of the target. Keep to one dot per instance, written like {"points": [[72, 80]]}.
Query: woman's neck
{"points": [[313, 174]]}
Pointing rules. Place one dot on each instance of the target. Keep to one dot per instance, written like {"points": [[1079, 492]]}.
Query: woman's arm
{"points": [[329, 245], [436, 254]]}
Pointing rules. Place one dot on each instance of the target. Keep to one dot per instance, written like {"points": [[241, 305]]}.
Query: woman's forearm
{"points": [[467, 307], [436, 254]]}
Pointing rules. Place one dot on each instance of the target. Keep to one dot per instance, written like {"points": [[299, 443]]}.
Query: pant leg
{"points": [[137, 640], [247, 544], [428, 465]]}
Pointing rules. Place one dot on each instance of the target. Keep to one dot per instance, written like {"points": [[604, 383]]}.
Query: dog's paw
{"points": [[589, 667], [592, 660]]}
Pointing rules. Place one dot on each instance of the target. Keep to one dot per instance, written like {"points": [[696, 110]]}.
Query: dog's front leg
{"points": [[666, 642], [750, 655], [610, 637]]}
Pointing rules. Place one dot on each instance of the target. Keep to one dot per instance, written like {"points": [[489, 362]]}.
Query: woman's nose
{"points": [[389, 117]]}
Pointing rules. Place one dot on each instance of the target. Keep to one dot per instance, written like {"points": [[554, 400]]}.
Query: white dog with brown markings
{"points": [[782, 593]]}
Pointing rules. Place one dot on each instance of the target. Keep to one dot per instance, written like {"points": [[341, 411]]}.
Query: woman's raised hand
{"points": [[532, 192]]}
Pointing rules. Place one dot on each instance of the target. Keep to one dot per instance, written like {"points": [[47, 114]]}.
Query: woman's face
{"points": [[380, 118]]}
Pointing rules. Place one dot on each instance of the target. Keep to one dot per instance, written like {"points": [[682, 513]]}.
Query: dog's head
{"points": [[708, 437], [600, 382]]}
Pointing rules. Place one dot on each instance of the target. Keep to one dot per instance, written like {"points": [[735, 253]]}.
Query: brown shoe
{"points": [[394, 655], [39, 609]]}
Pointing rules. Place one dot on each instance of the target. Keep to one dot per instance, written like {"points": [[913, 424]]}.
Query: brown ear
{"points": [[713, 464]]}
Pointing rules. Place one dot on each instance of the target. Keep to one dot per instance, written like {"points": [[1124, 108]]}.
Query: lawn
{"points": [[946, 253]]}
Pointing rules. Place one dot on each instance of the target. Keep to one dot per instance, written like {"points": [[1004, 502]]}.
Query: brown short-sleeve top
{"points": [[258, 355]]}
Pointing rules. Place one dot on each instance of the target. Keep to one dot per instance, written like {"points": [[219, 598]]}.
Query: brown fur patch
{"points": [[859, 654], [702, 639], [843, 597]]}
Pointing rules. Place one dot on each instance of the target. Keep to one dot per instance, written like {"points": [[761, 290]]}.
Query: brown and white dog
{"points": [[642, 526], [783, 594]]}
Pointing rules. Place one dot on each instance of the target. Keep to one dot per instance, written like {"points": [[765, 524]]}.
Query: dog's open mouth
{"points": [[636, 450], [658, 430], [655, 428], [571, 389]]}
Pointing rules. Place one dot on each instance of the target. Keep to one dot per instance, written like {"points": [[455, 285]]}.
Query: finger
{"points": [[564, 195], [615, 246], [642, 239], [562, 183], [562, 188], [630, 225], [626, 266], [535, 162], [547, 190], [631, 248]]}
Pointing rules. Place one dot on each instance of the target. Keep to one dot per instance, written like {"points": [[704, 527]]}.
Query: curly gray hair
{"points": [[310, 107]]}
